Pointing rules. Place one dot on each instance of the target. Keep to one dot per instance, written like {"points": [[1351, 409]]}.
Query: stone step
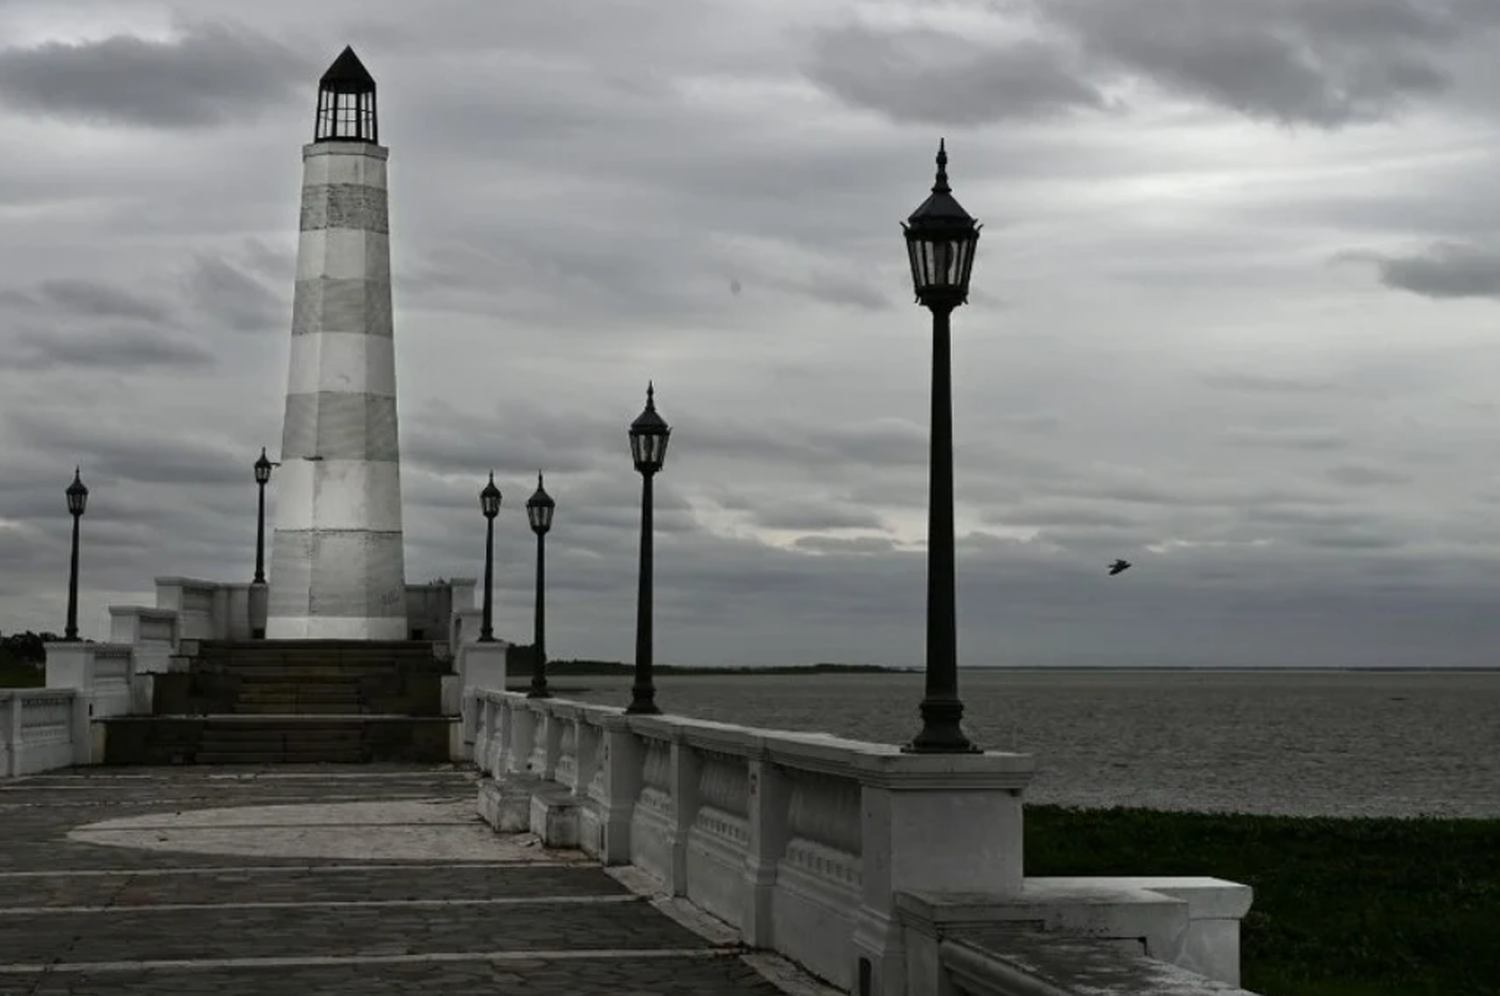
{"points": [[283, 757], [321, 670], [305, 709], [291, 730], [193, 739], [350, 658], [283, 693]]}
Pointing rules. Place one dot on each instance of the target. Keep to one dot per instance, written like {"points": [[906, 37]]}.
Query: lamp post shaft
{"points": [[643, 692], [70, 632], [539, 625], [260, 539], [486, 625], [942, 710]]}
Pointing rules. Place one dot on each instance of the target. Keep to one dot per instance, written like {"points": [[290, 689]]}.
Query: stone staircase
{"points": [[291, 701]]}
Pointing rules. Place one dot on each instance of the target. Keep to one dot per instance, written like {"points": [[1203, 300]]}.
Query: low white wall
{"points": [[222, 610], [39, 730], [103, 674], [151, 633], [801, 841], [194, 601]]}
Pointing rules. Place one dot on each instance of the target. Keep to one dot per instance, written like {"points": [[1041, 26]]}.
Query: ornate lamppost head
{"points": [[539, 508], [940, 240], [78, 495], [649, 434], [489, 499]]}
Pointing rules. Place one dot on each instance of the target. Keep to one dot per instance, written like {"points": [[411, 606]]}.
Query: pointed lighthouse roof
{"points": [[346, 102], [347, 74]]}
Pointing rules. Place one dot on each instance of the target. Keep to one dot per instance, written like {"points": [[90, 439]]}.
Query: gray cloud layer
{"points": [[213, 74], [1158, 361]]}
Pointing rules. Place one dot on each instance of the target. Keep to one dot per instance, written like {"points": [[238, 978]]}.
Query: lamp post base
{"points": [[643, 702], [942, 732]]}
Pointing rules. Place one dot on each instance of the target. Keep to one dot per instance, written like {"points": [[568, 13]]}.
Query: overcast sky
{"points": [[1234, 313]]}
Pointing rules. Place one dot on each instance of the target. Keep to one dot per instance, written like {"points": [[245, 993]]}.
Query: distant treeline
{"points": [[519, 657], [26, 648]]}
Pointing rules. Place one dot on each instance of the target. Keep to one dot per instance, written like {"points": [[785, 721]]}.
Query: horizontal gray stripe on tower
{"points": [[337, 426], [344, 205], [342, 572], [323, 304]]}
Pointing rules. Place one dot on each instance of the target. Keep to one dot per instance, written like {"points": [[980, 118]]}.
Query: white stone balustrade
{"points": [[104, 675], [196, 609], [40, 729], [801, 841], [206, 610], [152, 633]]}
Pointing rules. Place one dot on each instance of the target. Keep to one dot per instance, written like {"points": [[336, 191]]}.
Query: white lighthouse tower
{"points": [[337, 565]]}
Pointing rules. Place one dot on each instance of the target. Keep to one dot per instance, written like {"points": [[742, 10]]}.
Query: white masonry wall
{"points": [[337, 565]]}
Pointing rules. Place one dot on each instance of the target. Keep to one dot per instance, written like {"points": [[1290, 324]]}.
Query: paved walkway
{"points": [[321, 880]]}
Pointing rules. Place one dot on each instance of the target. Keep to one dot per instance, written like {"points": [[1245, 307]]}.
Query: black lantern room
{"points": [[489, 499], [539, 508], [346, 102], [78, 495], [648, 436], [940, 239]]}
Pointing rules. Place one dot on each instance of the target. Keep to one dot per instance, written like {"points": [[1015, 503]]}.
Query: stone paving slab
{"points": [[349, 883], [309, 880], [709, 976], [139, 934]]}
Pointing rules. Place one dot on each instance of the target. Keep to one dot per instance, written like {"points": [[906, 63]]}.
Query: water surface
{"points": [[1332, 743]]}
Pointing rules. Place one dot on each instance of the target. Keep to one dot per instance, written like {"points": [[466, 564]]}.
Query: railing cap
{"points": [[145, 611]]}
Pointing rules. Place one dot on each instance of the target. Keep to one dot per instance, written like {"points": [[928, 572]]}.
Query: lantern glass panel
{"points": [[540, 516], [649, 449], [489, 501]]}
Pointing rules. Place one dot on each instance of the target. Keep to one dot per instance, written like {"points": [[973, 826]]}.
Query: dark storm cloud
{"points": [[1059, 513], [17, 298], [929, 77], [1445, 270], [789, 442], [514, 441], [121, 350], [124, 451], [1327, 64], [212, 73], [241, 302], [94, 299]]}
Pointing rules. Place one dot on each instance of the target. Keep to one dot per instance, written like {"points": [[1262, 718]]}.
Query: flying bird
{"points": [[1119, 566]]}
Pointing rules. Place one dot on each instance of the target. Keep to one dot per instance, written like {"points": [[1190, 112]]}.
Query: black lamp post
{"points": [[539, 509], [489, 504], [78, 500], [648, 445], [940, 240], [262, 478]]}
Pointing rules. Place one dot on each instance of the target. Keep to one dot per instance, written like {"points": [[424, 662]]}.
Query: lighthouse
{"points": [[337, 564]]}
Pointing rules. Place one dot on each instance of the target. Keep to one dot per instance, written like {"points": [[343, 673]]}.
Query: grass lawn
{"points": [[21, 675], [1367, 907]]}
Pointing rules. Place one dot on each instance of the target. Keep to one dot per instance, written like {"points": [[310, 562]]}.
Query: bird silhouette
{"points": [[1119, 566]]}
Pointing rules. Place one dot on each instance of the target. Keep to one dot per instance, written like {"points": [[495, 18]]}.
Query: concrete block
{"points": [[505, 804], [554, 816]]}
